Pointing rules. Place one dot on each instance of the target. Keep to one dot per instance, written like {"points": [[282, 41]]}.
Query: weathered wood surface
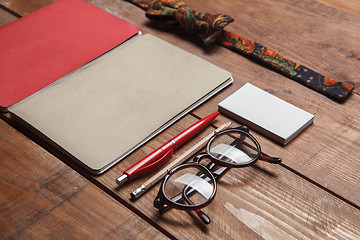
{"points": [[42, 198], [314, 194], [265, 201]]}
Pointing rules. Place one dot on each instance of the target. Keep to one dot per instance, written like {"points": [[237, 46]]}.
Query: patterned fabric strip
{"points": [[210, 28]]}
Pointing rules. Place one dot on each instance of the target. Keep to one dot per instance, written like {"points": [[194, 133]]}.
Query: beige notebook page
{"points": [[104, 110]]}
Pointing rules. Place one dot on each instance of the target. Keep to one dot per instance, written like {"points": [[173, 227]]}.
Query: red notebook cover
{"points": [[44, 46]]}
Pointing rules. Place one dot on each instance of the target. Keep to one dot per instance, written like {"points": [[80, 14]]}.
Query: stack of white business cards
{"points": [[266, 114]]}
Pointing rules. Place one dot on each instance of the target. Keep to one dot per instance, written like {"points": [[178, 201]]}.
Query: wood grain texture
{"points": [[36, 202], [327, 151], [6, 17], [318, 34], [261, 202], [23, 8], [42, 198], [289, 27], [314, 194]]}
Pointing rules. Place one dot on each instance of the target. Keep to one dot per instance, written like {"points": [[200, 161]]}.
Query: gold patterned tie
{"points": [[210, 28]]}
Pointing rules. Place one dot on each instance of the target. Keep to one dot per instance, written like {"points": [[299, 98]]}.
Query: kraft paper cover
{"points": [[104, 110]]}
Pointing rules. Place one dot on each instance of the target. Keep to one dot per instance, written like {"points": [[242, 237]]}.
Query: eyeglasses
{"points": [[192, 186]]}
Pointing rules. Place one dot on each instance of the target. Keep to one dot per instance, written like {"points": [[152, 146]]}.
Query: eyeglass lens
{"points": [[192, 186], [189, 186], [234, 147]]}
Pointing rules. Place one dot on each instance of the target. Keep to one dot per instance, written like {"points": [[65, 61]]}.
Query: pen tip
{"points": [[120, 180]]}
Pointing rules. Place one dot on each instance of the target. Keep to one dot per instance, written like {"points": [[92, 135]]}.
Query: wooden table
{"points": [[313, 194]]}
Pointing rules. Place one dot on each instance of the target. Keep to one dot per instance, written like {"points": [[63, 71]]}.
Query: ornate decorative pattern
{"points": [[210, 28]]}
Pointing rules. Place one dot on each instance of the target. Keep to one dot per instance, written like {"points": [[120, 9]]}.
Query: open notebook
{"points": [[45, 45], [102, 112]]}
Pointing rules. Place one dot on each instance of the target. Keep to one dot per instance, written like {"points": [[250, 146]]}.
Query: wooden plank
{"points": [[351, 7], [6, 17], [317, 34], [37, 203], [300, 30], [289, 28], [41, 198], [327, 151], [262, 202], [23, 8], [245, 70]]}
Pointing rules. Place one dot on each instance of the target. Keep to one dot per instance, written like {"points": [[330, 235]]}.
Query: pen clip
{"points": [[155, 165]]}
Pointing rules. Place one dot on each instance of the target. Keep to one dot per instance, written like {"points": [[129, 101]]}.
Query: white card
{"points": [[266, 113]]}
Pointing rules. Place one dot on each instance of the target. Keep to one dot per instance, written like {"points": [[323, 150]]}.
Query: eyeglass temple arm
{"points": [[244, 128], [159, 204], [179, 198], [263, 157], [204, 218], [266, 158]]}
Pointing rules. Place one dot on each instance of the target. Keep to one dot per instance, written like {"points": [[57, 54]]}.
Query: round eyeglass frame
{"points": [[242, 130], [173, 204], [162, 201]]}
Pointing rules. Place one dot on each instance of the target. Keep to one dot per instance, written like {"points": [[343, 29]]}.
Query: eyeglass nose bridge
{"points": [[201, 156]]}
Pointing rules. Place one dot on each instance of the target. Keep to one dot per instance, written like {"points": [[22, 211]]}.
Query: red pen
{"points": [[160, 156]]}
